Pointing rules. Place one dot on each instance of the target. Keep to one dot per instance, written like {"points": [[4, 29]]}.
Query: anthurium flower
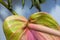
{"points": [[40, 26]]}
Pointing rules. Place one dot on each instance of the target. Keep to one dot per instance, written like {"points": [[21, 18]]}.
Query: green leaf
{"points": [[0, 0], [37, 5], [44, 19], [9, 4], [23, 3], [14, 27]]}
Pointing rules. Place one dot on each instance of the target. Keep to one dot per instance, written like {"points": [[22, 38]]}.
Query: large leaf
{"points": [[44, 19], [14, 27]]}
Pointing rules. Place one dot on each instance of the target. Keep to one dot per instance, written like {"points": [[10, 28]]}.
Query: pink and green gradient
{"points": [[38, 27]]}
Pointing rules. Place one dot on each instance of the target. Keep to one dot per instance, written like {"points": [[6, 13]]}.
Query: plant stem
{"points": [[12, 11]]}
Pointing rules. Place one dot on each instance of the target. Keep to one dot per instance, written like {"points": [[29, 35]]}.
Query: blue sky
{"points": [[50, 6]]}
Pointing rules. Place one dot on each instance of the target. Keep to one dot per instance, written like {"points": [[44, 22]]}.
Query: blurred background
{"points": [[49, 6]]}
